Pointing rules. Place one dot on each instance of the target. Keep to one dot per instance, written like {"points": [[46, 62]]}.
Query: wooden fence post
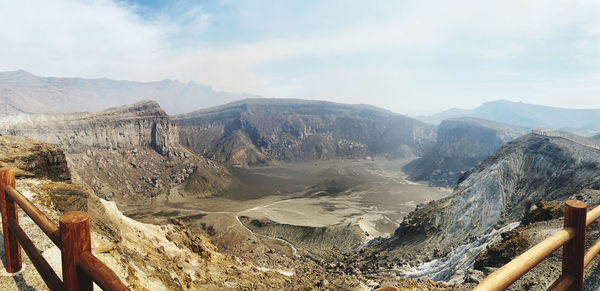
{"points": [[8, 207], [75, 238], [573, 250]]}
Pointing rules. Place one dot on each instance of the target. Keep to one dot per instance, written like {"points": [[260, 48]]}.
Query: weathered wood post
{"points": [[573, 250], [75, 239], [8, 207]]}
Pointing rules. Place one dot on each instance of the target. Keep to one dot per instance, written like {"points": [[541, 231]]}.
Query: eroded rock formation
{"points": [[461, 144], [143, 124], [492, 197], [258, 131], [32, 158]]}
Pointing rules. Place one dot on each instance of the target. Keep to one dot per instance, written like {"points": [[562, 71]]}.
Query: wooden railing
{"points": [[574, 258], [80, 268]]}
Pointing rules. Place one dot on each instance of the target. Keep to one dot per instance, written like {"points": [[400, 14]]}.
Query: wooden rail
{"points": [[80, 268], [574, 258]]}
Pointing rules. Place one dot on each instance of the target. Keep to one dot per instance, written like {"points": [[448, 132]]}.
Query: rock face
{"points": [[133, 176], [488, 200], [32, 158], [461, 144], [128, 154], [503, 187], [257, 131], [143, 124]]}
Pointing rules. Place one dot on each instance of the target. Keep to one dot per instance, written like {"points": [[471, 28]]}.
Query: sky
{"points": [[411, 57]]}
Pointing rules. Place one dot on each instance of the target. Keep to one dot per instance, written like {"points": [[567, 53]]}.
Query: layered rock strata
{"points": [[461, 144], [259, 131], [143, 124], [492, 197]]}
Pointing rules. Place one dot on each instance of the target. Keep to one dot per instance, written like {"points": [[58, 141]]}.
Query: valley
{"points": [[300, 145], [371, 196], [311, 193]]}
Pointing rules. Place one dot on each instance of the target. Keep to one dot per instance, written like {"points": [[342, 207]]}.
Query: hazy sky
{"points": [[407, 56]]}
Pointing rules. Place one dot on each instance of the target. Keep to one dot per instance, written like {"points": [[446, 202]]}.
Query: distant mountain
{"points": [[258, 131], [461, 144], [22, 92], [584, 122]]}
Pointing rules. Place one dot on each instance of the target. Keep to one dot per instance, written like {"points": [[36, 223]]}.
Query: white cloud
{"points": [[67, 37], [98, 38]]}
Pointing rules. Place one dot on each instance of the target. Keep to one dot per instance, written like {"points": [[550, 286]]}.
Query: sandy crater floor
{"points": [[374, 194]]}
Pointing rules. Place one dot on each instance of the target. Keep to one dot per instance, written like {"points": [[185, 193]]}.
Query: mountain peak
{"points": [[580, 121]]}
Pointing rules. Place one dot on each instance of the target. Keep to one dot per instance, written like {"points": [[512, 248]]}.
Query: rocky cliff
{"points": [[143, 124], [489, 199], [461, 144], [33, 159], [128, 154], [143, 256], [257, 131]]}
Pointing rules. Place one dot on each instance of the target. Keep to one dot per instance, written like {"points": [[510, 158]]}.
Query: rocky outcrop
{"points": [[496, 255], [461, 144], [143, 124], [131, 176], [32, 158], [127, 154], [491, 198], [258, 131], [503, 187]]}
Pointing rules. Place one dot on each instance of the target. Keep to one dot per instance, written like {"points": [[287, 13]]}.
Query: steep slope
{"points": [[461, 144], [129, 154], [501, 190], [22, 92], [169, 256], [142, 124], [32, 158], [257, 131], [580, 121]]}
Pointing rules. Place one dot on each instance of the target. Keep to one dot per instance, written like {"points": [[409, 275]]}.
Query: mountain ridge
{"points": [[259, 131], [461, 144], [491, 198], [584, 122], [23, 92]]}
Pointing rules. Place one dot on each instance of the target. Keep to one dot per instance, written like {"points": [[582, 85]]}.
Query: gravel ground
{"points": [[592, 282], [28, 278]]}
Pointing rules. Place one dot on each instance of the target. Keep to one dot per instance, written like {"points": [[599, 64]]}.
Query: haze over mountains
{"points": [[584, 122], [265, 179], [23, 92], [256, 131], [461, 144]]}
